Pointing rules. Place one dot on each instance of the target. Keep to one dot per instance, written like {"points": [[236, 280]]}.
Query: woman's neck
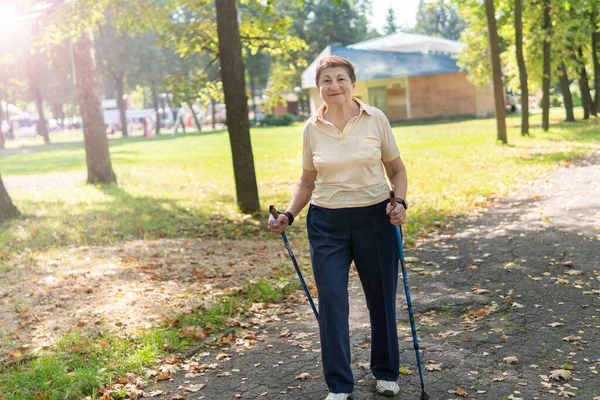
{"points": [[342, 111]]}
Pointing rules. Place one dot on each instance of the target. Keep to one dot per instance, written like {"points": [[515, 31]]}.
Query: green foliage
{"points": [[439, 18], [279, 120], [474, 59], [390, 22]]}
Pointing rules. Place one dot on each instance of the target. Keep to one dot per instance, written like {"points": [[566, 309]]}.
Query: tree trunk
{"points": [[34, 78], [496, 71], [236, 102], [214, 113], [252, 92], [595, 44], [196, 121], [7, 208], [120, 86], [156, 107], [546, 68], [566, 92], [584, 87], [2, 144], [522, 68], [97, 155], [39, 104]]}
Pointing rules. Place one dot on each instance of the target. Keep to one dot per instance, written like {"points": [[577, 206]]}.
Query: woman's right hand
{"points": [[279, 225]]}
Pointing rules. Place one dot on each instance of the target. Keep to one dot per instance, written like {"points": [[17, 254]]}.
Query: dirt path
{"points": [[508, 307]]}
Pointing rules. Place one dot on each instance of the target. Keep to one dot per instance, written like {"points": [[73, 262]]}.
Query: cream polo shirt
{"points": [[349, 165]]}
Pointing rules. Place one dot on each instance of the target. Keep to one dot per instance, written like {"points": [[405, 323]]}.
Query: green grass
{"points": [[80, 366], [183, 186]]}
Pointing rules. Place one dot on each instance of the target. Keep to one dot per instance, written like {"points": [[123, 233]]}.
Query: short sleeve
{"points": [[389, 148], [307, 151]]}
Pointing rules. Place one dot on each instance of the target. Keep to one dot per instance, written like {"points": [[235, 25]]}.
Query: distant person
{"points": [[348, 149]]}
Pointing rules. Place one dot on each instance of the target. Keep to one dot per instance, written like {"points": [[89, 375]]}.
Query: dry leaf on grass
{"points": [[460, 392]]}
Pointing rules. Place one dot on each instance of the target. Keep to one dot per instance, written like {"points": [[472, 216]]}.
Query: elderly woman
{"points": [[348, 149]]}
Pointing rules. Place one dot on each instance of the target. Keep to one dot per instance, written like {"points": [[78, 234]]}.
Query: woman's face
{"points": [[335, 86]]}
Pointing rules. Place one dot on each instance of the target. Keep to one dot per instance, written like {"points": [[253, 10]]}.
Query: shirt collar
{"points": [[362, 107]]}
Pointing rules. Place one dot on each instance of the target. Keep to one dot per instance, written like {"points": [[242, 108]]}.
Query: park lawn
{"points": [[178, 187], [183, 186]]}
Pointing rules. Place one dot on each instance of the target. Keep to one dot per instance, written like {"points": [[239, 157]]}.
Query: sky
{"points": [[406, 12]]}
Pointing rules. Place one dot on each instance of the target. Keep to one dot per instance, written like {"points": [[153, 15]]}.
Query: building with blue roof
{"points": [[408, 76]]}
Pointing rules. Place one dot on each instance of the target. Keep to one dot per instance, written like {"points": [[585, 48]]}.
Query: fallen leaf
{"points": [[574, 272], [194, 388], [561, 374], [564, 393], [405, 371], [556, 324], [164, 377], [303, 376], [433, 367], [511, 360], [461, 392]]}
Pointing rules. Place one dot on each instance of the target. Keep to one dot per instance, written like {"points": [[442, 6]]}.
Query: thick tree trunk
{"points": [[584, 87], [88, 95], [522, 68], [7, 208], [546, 68], [120, 86], [566, 92], [39, 104], [496, 71], [236, 102], [595, 44]]}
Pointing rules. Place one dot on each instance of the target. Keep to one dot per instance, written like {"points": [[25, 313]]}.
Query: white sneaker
{"points": [[387, 388], [338, 396]]}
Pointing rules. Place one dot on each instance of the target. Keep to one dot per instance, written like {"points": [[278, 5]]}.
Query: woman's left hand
{"points": [[397, 214]]}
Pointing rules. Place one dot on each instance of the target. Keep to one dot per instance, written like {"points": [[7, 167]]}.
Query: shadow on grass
{"points": [[122, 217]]}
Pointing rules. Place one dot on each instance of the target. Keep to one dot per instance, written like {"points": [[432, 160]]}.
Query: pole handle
{"points": [[392, 198], [273, 211]]}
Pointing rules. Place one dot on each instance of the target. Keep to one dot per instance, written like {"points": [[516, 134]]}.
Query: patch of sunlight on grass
{"points": [[183, 186]]}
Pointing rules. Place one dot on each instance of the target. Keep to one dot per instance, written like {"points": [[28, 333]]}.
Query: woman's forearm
{"points": [[301, 196], [400, 183]]}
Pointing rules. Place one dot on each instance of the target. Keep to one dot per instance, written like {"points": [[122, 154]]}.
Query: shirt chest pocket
{"points": [[369, 147]]}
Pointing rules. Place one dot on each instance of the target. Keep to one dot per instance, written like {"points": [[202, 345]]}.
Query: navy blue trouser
{"points": [[365, 235]]}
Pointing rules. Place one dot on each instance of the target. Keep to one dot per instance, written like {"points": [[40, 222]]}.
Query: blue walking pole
{"points": [[424, 396], [275, 214]]}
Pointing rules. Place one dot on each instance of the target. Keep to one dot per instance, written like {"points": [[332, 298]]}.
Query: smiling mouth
{"points": [[335, 94]]}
